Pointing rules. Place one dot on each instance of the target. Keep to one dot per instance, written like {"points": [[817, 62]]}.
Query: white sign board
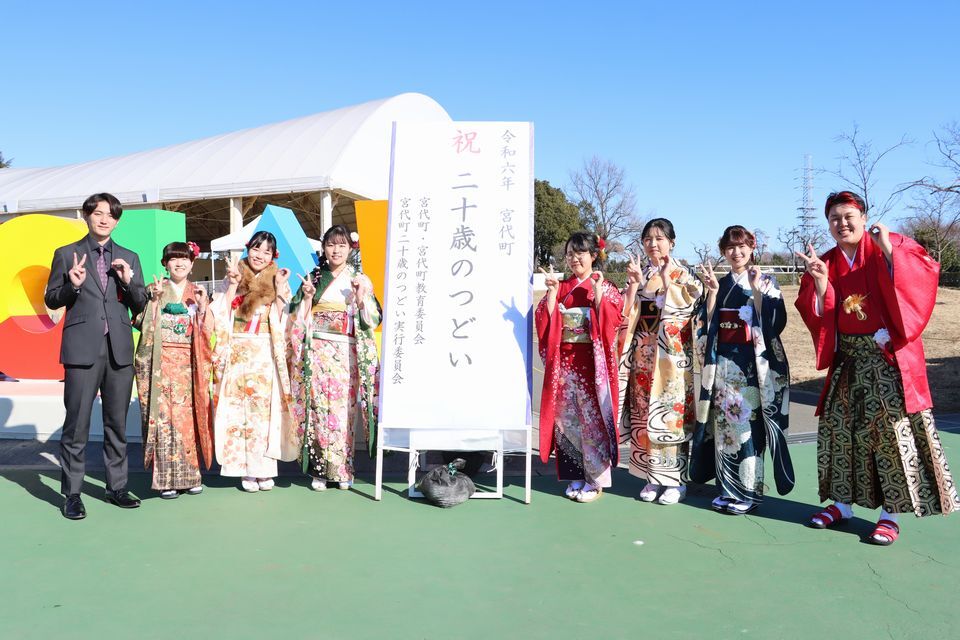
{"points": [[456, 349]]}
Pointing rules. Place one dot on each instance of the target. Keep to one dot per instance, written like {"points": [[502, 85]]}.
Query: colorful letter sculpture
{"points": [[296, 252], [29, 332]]}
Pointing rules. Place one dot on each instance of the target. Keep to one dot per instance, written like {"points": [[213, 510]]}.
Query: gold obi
{"points": [[175, 328], [331, 317], [259, 324], [576, 324], [648, 319]]}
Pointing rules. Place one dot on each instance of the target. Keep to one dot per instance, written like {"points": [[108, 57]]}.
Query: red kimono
{"points": [[900, 300], [578, 405]]}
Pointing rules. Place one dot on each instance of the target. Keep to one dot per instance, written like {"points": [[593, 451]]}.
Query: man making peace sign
{"points": [[100, 283]]}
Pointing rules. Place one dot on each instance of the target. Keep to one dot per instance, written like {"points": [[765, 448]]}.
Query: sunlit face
{"points": [[738, 256], [656, 244], [847, 224], [179, 269], [259, 257], [579, 262], [100, 223], [336, 250]]}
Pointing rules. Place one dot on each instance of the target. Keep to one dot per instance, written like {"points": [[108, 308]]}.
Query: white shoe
{"points": [[265, 483], [318, 484], [344, 486], [573, 489], [589, 493], [720, 503], [649, 492], [195, 491], [250, 485], [169, 494], [672, 495]]}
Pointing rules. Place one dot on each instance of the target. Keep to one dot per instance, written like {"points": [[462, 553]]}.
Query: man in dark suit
{"points": [[100, 283]]}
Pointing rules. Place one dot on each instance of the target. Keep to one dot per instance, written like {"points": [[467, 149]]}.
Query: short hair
{"points": [[843, 197], [660, 223], [176, 250], [338, 232], [263, 236], [737, 234], [583, 241], [90, 204]]}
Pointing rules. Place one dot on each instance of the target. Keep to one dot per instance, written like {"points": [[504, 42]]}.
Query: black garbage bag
{"points": [[446, 486], [474, 460]]}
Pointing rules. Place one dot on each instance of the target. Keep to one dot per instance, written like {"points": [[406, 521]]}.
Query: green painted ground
{"points": [[296, 564]]}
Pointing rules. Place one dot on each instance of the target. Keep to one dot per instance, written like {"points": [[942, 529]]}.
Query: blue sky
{"points": [[708, 106]]}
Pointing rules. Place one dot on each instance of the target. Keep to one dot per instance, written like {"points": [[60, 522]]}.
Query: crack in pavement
{"points": [[929, 558], [703, 546], [762, 528], [883, 588]]}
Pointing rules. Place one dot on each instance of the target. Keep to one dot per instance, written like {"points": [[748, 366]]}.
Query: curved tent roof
{"points": [[346, 149]]}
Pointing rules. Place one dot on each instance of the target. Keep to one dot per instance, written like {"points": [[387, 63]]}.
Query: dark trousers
{"points": [[81, 383]]}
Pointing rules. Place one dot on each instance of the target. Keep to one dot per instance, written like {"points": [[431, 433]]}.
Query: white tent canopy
{"points": [[237, 241], [346, 149]]}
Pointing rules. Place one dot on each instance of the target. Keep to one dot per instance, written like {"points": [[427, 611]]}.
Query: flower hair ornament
{"points": [[194, 249], [603, 248]]}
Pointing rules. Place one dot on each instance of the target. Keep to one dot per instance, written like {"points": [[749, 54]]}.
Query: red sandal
{"points": [[829, 517], [888, 529]]}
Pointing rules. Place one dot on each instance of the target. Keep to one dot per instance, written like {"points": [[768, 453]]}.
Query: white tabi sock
{"points": [[845, 509], [886, 515]]}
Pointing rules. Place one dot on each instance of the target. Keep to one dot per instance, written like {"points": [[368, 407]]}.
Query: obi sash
{"points": [[260, 323], [733, 329], [576, 324], [332, 319], [648, 318]]}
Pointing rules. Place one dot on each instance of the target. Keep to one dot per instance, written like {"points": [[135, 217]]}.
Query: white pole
{"points": [[236, 221], [326, 211]]}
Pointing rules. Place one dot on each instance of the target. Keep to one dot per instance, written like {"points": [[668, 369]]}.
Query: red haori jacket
{"points": [[904, 296]]}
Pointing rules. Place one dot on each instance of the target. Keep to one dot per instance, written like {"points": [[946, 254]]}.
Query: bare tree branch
{"points": [[606, 200], [857, 167]]}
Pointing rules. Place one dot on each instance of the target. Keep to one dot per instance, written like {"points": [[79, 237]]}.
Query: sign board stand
{"points": [[456, 366]]}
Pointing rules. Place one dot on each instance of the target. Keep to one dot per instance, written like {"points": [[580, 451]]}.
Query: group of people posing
{"points": [[291, 374], [622, 362]]}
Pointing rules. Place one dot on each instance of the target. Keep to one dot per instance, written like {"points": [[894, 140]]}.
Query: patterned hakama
{"points": [[870, 451]]}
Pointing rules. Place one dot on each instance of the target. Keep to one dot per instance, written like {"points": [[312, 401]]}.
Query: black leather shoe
{"points": [[122, 499], [73, 509]]}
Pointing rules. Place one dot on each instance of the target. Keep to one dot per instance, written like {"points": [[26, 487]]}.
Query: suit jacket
{"points": [[88, 309]]}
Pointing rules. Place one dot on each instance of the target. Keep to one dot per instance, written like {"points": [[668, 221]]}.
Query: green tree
{"points": [[4, 163], [554, 219]]}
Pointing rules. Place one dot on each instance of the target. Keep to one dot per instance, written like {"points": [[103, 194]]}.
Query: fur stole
{"points": [[256, 289]]}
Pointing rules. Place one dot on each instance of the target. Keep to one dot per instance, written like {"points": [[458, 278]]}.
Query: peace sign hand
{"points": [[635, 274], [307, 287], [755, 275], [200, 294], [233, 272], [155, 287], [816, 268], [78, 273], [550, 282], [709, 278]]}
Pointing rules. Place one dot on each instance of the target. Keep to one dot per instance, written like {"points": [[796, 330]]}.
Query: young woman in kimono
{"points": [[577, 324], [656, 364], [334, 362], [745, 382], [866, 301], [172, 364], [251, 382]]}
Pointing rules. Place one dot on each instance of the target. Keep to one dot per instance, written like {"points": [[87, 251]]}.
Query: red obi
{"points": [[733, 330]]}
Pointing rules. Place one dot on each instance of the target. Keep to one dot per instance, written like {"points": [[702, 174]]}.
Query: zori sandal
{"points": [[886, 533], [829, 517]]}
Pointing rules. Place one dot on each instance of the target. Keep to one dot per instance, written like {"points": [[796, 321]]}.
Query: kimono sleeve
{"points": [[773, 311], [822, 325], [909, 289]]}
